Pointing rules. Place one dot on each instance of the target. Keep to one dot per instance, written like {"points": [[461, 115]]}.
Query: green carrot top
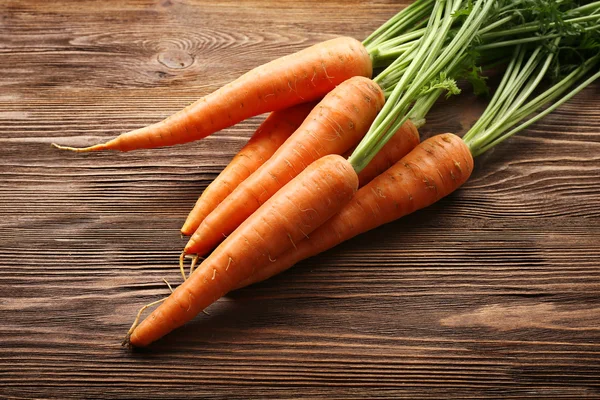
{"points": [[525, 35]]}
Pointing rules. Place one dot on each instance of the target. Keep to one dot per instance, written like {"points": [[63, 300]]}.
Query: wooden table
{"points": [[493, 292]]}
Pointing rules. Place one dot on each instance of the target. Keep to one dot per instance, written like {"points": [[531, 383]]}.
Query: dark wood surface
{"points": [[493, 292]]}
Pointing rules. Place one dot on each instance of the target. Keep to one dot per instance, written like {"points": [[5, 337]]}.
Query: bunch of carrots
{"points": [[340, 153]]}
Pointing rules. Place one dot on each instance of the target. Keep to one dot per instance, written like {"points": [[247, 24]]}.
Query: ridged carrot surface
{"points": [[403, 141], [434, 169], [335, 125], [269, 136], [297, 78], [301, 206]]}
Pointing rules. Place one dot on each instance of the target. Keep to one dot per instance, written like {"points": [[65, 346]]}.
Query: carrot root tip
{"points": [[95, 147], [193, 265], [168, 284], [136, 322], [75, 149], [181, 260]]}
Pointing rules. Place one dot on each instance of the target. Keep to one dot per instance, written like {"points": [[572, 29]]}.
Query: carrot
{"points": [[285, 219], [263, 144], [297, 78], [403, 141], [440, 165], [269, 136], [314, 208], [434, 169], [336, 124]]}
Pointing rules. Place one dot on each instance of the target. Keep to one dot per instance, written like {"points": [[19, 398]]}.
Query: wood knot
{"points": [[175, 59]]}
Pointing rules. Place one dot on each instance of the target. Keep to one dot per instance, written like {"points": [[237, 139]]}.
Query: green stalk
{"points": [[510, 104], [420, 54], [405, 20], [534, 27], [497, 100], [422, 62], [393, 48], [511, 107], [396, 69], [533, 39], [414, 79], [402, 39], [422, 106], [550, 95]]}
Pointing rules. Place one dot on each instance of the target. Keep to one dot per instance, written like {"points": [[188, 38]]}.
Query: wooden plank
{"points": [[493, 292]]}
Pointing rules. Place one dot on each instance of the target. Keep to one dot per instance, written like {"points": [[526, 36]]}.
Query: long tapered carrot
{"points": [[336, 124], [434, 169], [285, 219], [297, 78], [269, 136]]}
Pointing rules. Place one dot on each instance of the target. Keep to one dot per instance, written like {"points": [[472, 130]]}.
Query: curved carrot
{"points": [[269, 136], [297, 78], [434, 169], [336, 124], [305, 203]]}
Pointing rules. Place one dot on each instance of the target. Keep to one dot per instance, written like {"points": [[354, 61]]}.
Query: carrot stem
{"points": [[435, 58], [481, 140], [406, 19]]}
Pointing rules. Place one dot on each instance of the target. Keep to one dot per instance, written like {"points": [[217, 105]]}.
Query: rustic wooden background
{"points": [[493, 292]]}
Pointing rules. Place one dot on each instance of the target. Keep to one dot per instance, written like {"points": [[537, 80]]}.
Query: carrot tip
{"points": [[79, 149], [168, 284], [194, 262], [136, 322]]}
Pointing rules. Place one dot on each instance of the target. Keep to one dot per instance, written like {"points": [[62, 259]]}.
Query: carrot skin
{"points": [[402, 143], [301, 206], [269, 136], [336, 124], [293, 79], [434, 169]]}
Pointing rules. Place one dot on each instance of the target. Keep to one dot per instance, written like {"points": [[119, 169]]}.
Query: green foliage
{"points": [[464, 11], [441, 82], [477, 81], [574, 50]]}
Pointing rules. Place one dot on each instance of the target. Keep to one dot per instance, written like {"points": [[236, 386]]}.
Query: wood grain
{"points": [[493, 292]]}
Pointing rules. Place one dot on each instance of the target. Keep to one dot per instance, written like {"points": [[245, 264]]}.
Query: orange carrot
{"points": [[434, 169], [336, 124], [285, 219], [269, 136], [263, 144], [403, 141], [297, 78]]}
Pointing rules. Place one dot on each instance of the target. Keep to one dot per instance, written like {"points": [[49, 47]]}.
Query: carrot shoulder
{"points": [[336, 124], [434, 169], [403, 141], [284, 220], [297, 78], [269, 136]]}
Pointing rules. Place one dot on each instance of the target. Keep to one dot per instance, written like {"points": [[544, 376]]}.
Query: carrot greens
{"points": [[460, 35]]}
